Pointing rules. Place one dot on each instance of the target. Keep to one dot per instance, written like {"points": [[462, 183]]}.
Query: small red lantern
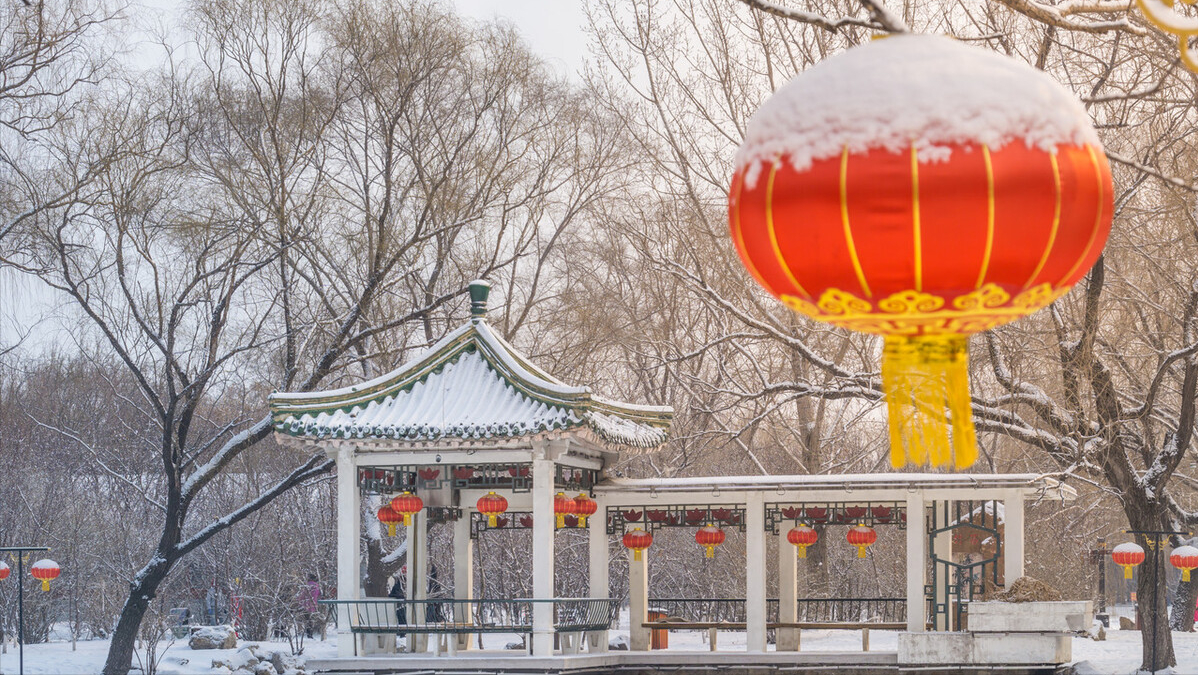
{"points": [[1127, 555], [709, 537], [407, 505], [4, 571], [637, 540], [861, 536], [492, 505], [45, 570], [584, 507], [802, 536], [562, 507], [1184, 558], [390, 518]]}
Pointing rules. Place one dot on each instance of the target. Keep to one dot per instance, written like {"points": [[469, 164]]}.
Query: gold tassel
{"points": [[926, 383]]}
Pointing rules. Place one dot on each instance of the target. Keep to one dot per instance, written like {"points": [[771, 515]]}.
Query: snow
{"points": [[924, 91]]}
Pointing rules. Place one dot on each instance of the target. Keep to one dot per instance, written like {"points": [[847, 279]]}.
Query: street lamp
{"points": [[20, 552]]}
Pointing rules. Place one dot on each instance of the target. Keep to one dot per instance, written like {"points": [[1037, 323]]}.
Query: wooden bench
{"points": [[713, 627]]}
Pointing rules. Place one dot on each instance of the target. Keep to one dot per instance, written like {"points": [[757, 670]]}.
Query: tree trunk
{"points": [[1184, 599], [1154, 624], [124, 638]]}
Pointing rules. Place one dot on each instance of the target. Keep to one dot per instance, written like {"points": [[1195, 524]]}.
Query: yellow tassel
{"points": [[802, 551], [926, 383]]}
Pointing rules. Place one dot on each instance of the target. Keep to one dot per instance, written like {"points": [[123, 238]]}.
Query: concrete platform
{"points": [[644, 663]]}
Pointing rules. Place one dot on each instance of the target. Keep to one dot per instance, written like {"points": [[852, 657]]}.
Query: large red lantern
{"points": [[709, 537], [492, 505], [584, 507], [390, 518], [562, 506], [1127, 556], [45, 571], [802, 536], [407, 505], [861, 536], [637, 540], [4, 571], [1184, 558], [921, 189]]}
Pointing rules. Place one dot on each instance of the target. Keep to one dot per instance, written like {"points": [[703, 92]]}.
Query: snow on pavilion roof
{"points": [[470, 385]]}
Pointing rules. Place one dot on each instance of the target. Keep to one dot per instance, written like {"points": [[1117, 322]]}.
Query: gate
{"points": [[972, 559]]}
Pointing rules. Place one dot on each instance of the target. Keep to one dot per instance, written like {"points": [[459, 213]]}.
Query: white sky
{"points": [[553, 28]]}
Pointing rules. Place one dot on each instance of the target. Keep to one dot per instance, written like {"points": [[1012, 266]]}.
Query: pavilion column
{"points": [[788, 592], [755, 609], [542, 556], [463, 573], [418, 578], [638, 601], [1013, 525], [597, 549], [917, 563], [942, 546], [349, 523]]}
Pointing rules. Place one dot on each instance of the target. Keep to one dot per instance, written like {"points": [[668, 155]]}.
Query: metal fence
{"points": [[385, 615]]}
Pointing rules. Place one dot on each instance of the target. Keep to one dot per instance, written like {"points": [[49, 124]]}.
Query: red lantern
{"points": [[584, 507], [562, 507], [802, 536], [390, 518], [407, 505], [45, 570], [1127, 555], [492, 505], [709, 537], [861, 536], [887, 209], [1184, 558], [637, 540], [4, 571]]}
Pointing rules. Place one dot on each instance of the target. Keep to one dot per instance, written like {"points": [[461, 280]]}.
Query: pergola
{"points": [[473, 415]]}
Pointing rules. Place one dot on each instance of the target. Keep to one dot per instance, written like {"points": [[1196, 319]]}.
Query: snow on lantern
{"points": [[946, 191], [861, 536], [637, 540], [562, 506], [492, 506], [1127, 556], [584, 507], [45, 571], [4, 571], [709, 537], [802, 536], [1184, 558], [390, 518], [407, 505]]}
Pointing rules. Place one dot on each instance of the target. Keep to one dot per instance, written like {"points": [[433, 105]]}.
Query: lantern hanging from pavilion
{"points": [[1127, 556], [802, 536], [45, 571], [390, 518], [562, 506], [709, 537], [637, 540], [407, 505], [924, 190], [492, 505], [4, 571], [584, 507], [861, 536], [1184, 558]]}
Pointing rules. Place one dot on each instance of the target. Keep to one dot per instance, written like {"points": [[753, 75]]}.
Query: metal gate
{"points": [[969, 538]]}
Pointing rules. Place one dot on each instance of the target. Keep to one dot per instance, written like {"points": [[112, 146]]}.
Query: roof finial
{"points": [[479, 290]]}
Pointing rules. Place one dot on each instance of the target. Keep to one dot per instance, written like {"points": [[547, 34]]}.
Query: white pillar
{"points": [[418, 576], [463, 573], [542, 556], [755, 573], [788, 591], [348, 543], [917, 563], [1013, 526], [638, 601], [943, 547], [597, 548]]}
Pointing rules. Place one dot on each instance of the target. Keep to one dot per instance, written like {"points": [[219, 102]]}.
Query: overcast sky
{"points": [[553, 28]]}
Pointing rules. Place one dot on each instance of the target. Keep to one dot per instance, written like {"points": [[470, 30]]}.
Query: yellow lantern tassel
{"points": [[802, 551], [710, 551], [582, 521], [390, 529], [1127, 571], [45, 584], [407, 520], [492, 520], [1185, 575], [636, 554], [926, 383], [561, 520], [861, 551]]}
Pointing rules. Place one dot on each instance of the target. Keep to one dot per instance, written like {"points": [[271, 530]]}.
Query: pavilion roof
{"points": [[470, 385]]}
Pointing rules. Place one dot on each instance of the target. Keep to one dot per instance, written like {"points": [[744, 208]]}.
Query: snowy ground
{"points": [[1118, 655]]}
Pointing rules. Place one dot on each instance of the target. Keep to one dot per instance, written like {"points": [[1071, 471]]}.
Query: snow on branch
{"points": [[831, 25], [1172, 180], [1068, 15]]}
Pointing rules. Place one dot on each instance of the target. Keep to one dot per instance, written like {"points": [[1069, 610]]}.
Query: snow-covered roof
{"points": [[863, 482], [926, 90], [470, 385]]}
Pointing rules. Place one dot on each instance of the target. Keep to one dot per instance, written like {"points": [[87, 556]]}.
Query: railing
{"points": [[824, 610], [451, 615]]}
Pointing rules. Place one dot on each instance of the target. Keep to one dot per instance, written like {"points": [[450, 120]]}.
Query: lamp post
{"points": [[1156, 540], [20, 552], [1098, 556]]}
